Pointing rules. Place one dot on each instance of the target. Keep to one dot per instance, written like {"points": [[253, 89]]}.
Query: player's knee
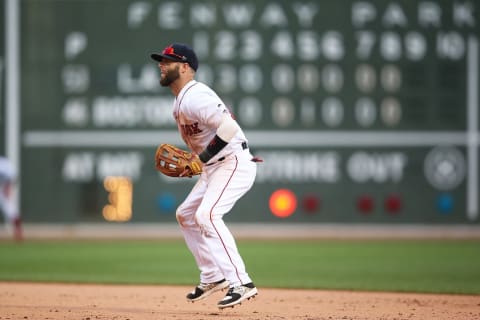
{"points": [[182, 217], [202, 218]]}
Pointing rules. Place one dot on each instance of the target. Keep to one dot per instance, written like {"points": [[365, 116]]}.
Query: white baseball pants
{"points": [[201, 218]]}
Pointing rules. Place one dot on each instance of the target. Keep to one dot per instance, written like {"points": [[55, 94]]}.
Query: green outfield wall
{"points": [[364, 111]]}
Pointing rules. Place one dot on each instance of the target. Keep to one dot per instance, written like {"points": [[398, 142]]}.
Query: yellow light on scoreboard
{"points": [[120, 196], [283, 203], [109, 212]]}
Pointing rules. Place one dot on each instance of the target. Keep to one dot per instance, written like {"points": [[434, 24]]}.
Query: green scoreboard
{"points": [[363, 111]]}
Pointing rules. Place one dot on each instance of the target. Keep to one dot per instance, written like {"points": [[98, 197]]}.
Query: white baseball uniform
{"points": [[225, 178], [8, 176]]}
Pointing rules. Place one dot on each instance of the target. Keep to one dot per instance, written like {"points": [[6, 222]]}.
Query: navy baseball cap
{"points": [[178, 52]]}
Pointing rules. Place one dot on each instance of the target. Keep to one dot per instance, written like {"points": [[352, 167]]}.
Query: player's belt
{"points": [[244, 147]]}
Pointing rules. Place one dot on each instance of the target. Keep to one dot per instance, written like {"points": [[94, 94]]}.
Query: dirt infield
{"points": [[39, 301]]}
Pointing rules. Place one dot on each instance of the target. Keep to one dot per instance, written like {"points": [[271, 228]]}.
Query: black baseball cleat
{"points": [[236, 295], [203, 290]]}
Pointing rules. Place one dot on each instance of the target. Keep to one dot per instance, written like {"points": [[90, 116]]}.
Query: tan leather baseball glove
{"points": [[175, 162]]}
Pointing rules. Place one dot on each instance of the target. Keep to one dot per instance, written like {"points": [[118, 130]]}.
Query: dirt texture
{"points": [[131, 302]]}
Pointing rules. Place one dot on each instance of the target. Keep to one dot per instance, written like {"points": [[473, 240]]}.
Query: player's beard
{"points": [[170, 76]]}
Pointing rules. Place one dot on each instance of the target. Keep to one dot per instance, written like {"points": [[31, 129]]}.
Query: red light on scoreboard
{"points": [[393, 204], [365, 204], [311, 204], [283, 203]]}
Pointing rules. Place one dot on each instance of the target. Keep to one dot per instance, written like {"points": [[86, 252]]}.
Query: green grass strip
{"points": [[409, 266]]}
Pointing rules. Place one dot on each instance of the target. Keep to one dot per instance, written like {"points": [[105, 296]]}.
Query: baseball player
{"points": [[10, 211], [229, 170]]}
